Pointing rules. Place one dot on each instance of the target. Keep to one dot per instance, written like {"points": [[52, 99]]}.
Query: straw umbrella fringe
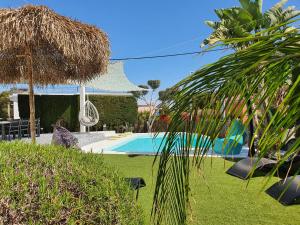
{"points": [[42, 47]]}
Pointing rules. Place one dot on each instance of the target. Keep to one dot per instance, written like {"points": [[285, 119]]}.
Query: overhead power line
{"points": [[189, 53], [233, 26], [168, 55]]}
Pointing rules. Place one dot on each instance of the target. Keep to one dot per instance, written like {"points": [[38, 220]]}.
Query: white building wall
{"points": [[14, 99]]}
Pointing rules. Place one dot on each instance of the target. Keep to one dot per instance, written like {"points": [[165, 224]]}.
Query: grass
{"points": [[217, 198]]}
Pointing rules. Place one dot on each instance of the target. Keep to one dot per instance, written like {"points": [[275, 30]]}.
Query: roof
{"points": [[57, 90], [60, 49], [114, 80]]}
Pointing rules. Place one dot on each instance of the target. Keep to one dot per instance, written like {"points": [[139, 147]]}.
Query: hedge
{"points": [[53, 185], [113, 110], [50, 108]]}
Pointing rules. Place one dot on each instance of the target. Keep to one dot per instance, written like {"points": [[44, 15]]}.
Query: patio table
{"points": [[3, 123]]}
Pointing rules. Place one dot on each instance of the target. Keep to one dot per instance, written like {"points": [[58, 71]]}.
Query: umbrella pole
{"points": [[31, 94]]}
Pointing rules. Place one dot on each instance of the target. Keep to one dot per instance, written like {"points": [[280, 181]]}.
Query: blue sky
{"points": [[149, 27]]}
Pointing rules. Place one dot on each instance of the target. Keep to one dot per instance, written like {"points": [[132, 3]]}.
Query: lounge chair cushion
{"points": [[231, 145], [237, 128]]}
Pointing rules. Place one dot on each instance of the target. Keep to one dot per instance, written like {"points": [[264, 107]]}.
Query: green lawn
{"points": [[217, 198]]}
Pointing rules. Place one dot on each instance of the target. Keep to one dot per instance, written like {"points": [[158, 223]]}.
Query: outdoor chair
{"points": [[243, 168], [24, 128], [37, 128], [232, 144], [13, 130]]}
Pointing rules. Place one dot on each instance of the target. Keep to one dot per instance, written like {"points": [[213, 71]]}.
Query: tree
{"points": [[165, 97], [272, 60], [242, 22], [152, 86]]}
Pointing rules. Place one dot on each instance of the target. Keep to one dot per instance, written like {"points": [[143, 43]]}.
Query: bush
{"points": [[53, 185]]}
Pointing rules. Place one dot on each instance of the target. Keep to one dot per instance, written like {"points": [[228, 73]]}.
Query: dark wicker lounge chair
{"points": [[243, 168], [286, 191]]}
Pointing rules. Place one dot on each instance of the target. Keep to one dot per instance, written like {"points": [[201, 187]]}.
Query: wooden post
{"points": [[29, 70], [82, 106]]}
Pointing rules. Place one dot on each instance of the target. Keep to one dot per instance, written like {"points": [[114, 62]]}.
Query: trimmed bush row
{"points": [[54, 185]]}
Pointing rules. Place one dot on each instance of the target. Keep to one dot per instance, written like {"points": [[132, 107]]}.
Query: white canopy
{"points": [[114, 80]]}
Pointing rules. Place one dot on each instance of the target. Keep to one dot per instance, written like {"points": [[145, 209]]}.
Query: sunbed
{"points": [[245, 168], [286, 191]]}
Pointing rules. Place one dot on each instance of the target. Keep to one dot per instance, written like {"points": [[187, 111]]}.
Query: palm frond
{"points": [[277, 14], [252, 75], [253, 7], [212, 24]]}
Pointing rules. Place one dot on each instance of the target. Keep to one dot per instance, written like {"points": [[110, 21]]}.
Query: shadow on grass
{"points": [[232, 159], [136, 155]]}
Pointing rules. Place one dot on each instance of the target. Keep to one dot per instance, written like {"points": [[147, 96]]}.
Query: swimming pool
{"points": [[140, 144], [148, 145]]}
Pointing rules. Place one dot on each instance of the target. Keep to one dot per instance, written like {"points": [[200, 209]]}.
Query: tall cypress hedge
{"points": [[113, 110]]}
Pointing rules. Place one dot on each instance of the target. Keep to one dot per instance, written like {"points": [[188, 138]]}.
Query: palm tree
{"points": [[239, 22], [272, 58], [266, 51]]}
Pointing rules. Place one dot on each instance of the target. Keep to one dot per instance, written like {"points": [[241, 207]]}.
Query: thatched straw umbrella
{"points": [[42, 47]]}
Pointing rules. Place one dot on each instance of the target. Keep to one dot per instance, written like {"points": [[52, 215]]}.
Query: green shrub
{"points": [[113, 110], [53, 185]]}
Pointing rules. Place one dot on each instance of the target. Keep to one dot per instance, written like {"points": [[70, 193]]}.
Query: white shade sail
{"points": [[114, 80]]}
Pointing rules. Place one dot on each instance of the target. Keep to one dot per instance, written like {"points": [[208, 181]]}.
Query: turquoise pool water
{"points": [[146, 144], [141, 144]]}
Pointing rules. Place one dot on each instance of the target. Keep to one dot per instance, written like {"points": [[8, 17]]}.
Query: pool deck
{"points": [[84, 139], [102, 146], [102, 141]]}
